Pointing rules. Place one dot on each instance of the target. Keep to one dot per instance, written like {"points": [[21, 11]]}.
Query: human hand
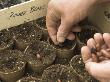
{"points": [[63, 16], [98, 65]]}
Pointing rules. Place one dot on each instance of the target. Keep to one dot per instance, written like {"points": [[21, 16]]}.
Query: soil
{"points": [[25, 34], [8, 3], [62, 61], [6, 41], [78, 65], [64, 50], [41, 22], [12, 66], [9, 61], [59, 73], [88, 31], [39, 56], [29, 79], [68, 44]]}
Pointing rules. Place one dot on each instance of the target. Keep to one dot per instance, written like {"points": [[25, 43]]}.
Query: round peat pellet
{"points": [[6, 41], [59, 73], [25, 34], [12, 66], [87, 32], [29, 79], [39, 56], [78, 66], [64, 50], [62, 61], [41, 22]]}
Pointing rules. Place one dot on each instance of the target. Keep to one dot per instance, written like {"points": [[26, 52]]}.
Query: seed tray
{"points": [[39, 24]]}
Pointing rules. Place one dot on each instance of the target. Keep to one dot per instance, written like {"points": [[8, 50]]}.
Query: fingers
{"points": [[63, 31], [99, 41], [65, 28], [98, 70], [59, 31], [105, 53], [71, 36], [51, 23], [106, 37], [91, 43], [86, 54]]}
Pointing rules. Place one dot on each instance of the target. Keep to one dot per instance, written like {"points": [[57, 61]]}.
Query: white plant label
{"points": [[21, 13]]}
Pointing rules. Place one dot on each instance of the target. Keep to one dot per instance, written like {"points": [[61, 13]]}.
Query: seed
{"points": [[59, 80], [93, 50]]}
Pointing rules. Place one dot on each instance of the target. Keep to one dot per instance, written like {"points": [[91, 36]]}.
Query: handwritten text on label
{"points": [[31, 10]]}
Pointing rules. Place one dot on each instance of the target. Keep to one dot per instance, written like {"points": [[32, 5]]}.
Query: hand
{"points": [[99, 69], [62, 17]]}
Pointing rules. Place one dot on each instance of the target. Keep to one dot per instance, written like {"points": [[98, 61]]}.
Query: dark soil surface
{"points": [[39, 56], [88, 31], [41, 22], [8, 3], [29, 79], [6, 41], [59, 73], [64, 50], [62, 61], [65, 45], [25, 34], [27, 31], [11, 61], [41, 51], [78, 66]]}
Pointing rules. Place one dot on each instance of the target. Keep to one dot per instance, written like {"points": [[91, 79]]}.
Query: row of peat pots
{"points": [[17, 67], [27, 54]]}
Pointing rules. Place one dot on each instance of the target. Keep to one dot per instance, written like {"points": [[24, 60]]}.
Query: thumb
{"points": [[64, 29]]}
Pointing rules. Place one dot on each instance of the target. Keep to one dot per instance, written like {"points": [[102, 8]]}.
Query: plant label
{"points": [[21, 13]]}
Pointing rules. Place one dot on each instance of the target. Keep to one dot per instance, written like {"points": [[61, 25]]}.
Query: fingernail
{"points": [[60, 39]]}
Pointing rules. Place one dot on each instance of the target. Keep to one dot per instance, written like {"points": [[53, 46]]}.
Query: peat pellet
{"points": [[29, 79], [87, 32], [59, 73], [78, 66], [6, 41], [41, 22], [12, 66], [64, 50], [39, 55], [62, 61], [25, 34]]}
